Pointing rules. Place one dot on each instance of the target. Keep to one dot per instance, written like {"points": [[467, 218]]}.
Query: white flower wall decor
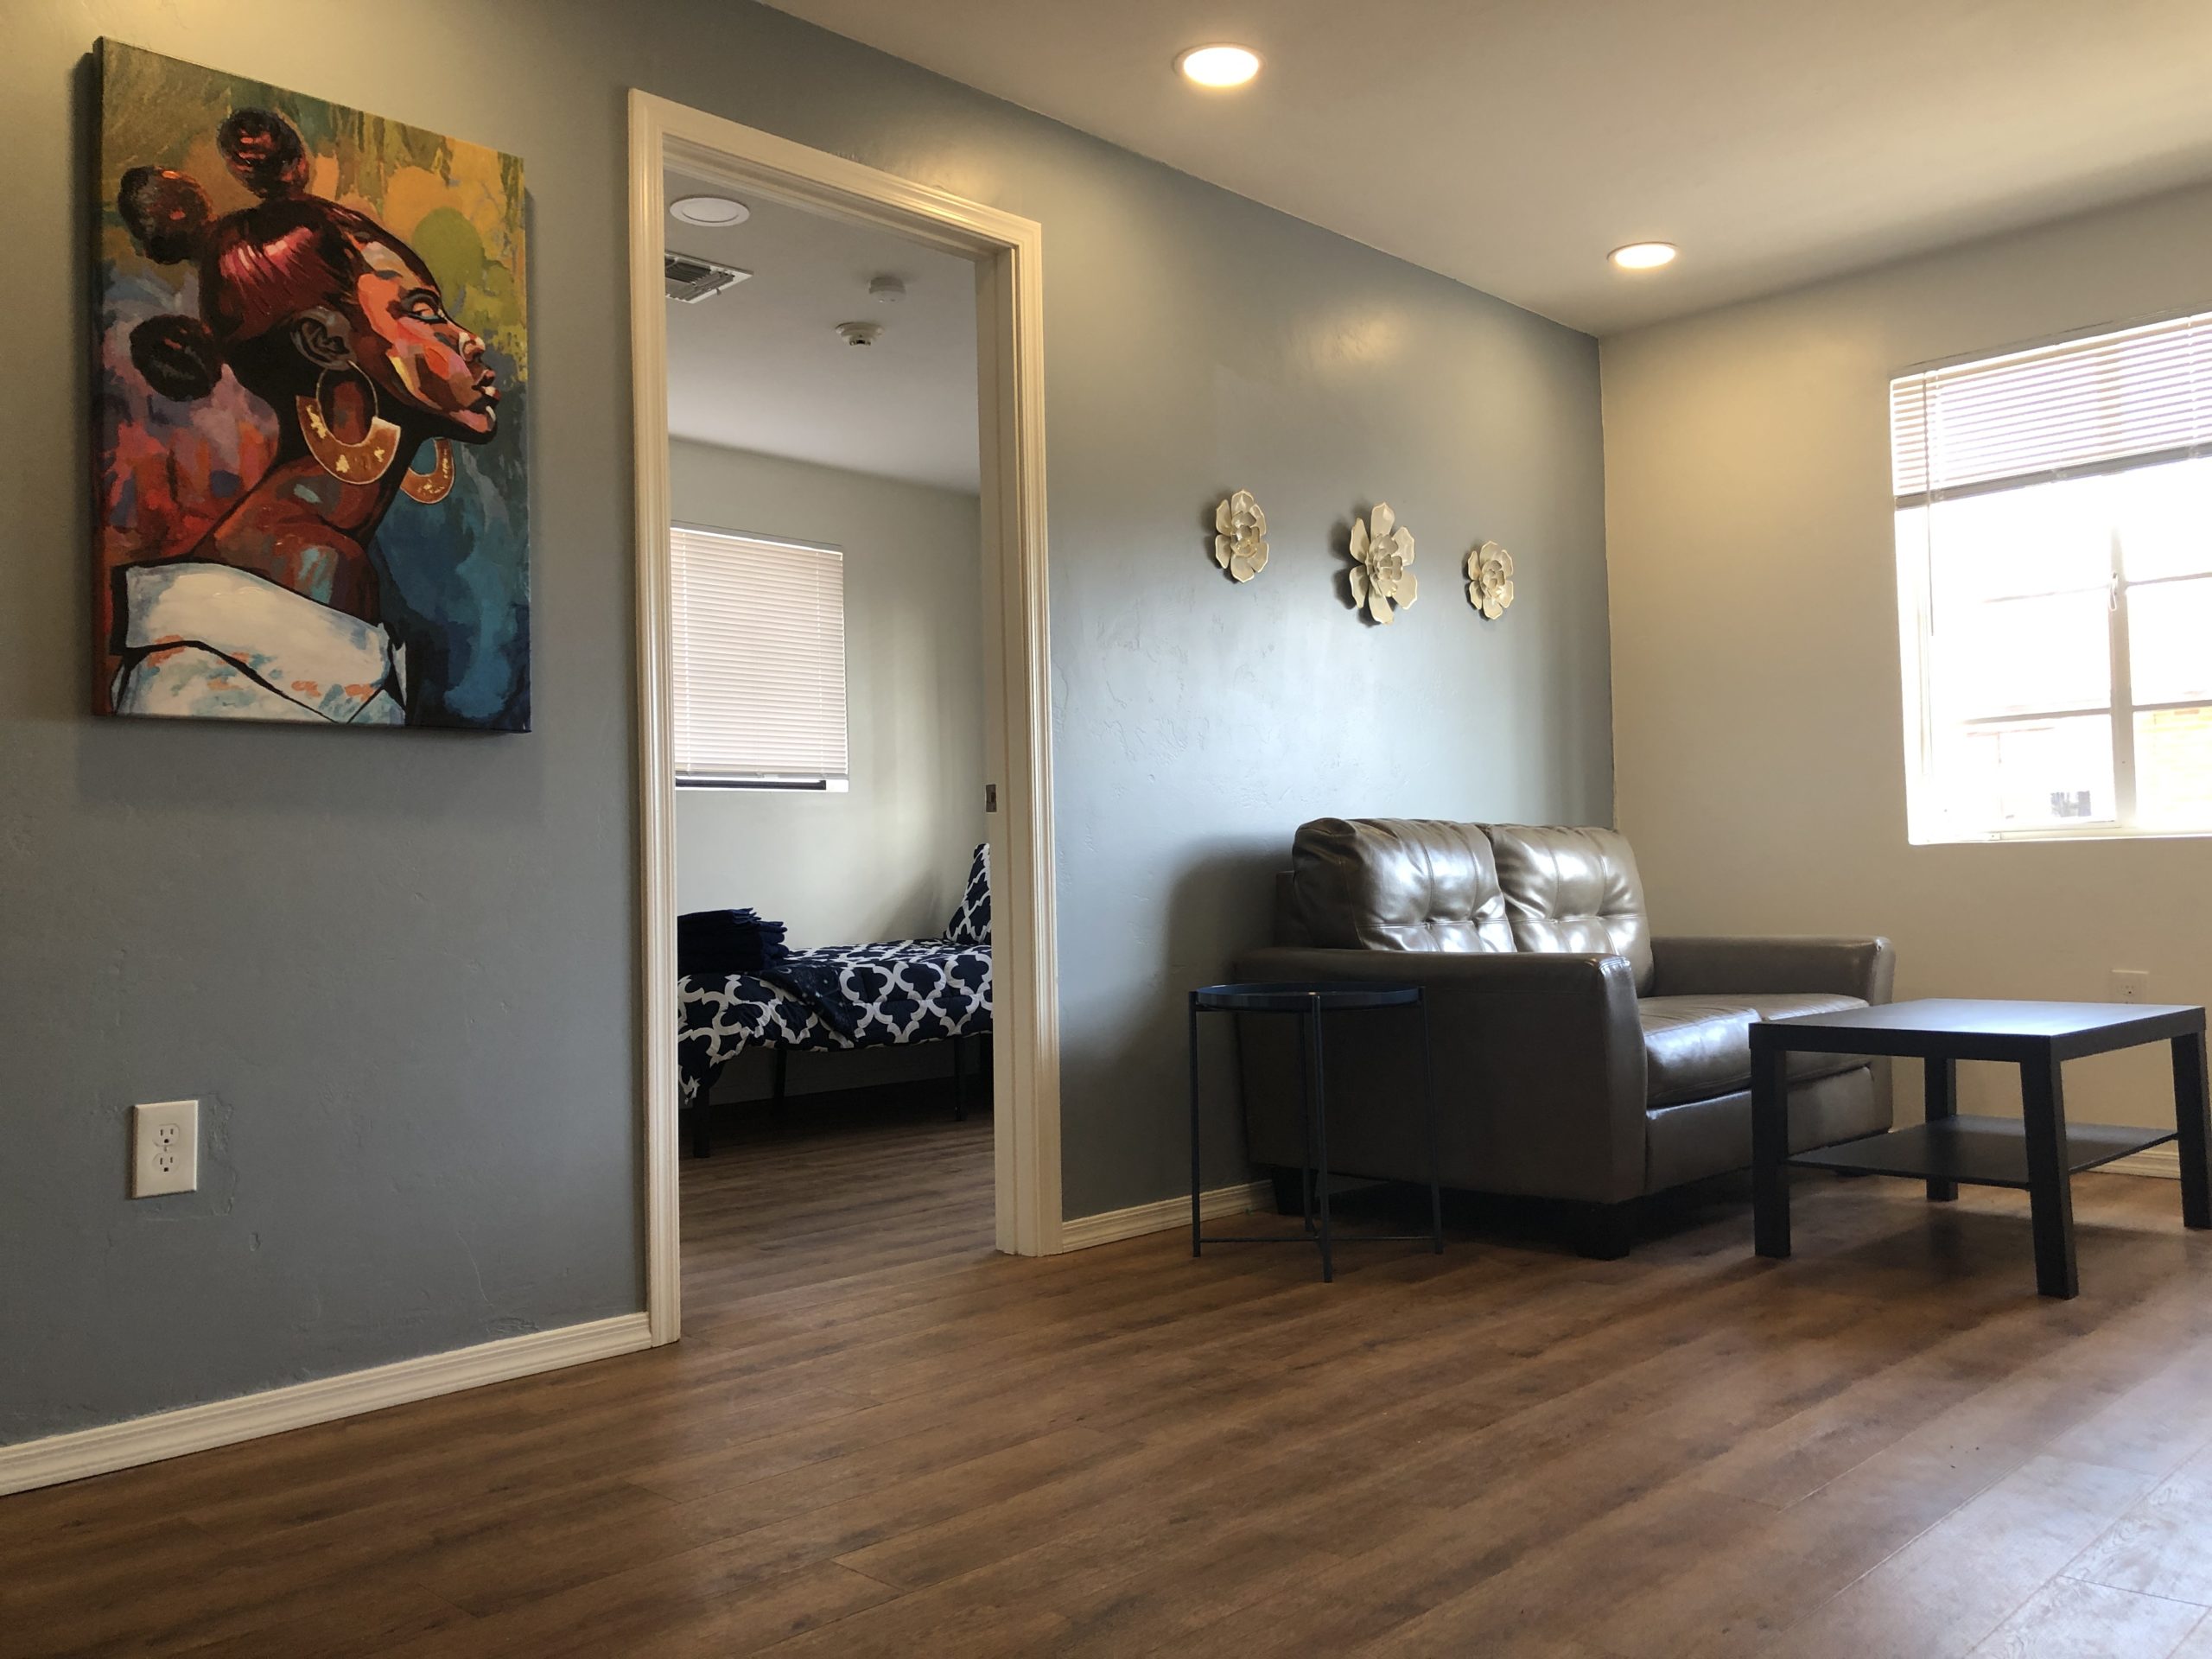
{"points": [[1382, 548], [1490, 580], [1241, 546]]}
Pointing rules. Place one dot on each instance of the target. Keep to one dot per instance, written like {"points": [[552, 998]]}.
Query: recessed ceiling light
{"points": [[718, 212], [1643, 256], [1218, 65]]}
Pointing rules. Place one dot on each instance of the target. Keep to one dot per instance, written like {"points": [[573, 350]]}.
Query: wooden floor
{"points": [[880, 1438]]}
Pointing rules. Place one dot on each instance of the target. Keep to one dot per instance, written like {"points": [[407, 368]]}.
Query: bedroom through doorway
{"points": [[832, 881], [890, 918]]}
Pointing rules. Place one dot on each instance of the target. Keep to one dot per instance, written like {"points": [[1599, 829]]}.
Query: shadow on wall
{"points": [[1225, 893]]}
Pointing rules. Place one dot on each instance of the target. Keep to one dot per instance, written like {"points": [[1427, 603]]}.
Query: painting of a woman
{"points": [[282, 530]]}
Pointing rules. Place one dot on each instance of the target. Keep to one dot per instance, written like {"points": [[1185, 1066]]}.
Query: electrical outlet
{"points": [[2130, 985], [164, 1148]]}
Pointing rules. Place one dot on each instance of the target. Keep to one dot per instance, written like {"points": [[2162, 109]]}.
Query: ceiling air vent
{"points": [[692, 279]]}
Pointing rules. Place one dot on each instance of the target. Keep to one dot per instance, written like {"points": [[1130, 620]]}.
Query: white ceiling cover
{"points": [[760, 365], [1511, 143]]}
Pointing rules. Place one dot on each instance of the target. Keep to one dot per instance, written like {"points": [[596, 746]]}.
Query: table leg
{"points": [[2051, 1193], [1196, 1190], [1317, 1081], [1769, 1148], [2192, 1127], [1305, 1125], [1942, 1096], [1428, 1095]]}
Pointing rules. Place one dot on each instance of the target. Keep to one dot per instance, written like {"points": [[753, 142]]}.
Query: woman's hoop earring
{"points": [[363, 462], [431, 487]]}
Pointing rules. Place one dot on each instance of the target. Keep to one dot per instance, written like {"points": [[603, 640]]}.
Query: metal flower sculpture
{"points": [[1382, 548], [1490, 580], [1241, 547]]}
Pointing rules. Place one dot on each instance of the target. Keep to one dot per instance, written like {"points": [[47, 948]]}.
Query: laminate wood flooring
{"points": [[878, 1437]]}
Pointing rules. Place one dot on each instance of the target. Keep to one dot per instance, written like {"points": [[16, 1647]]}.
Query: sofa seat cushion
{"points": [[1700, 1138], [1695, 1047]]}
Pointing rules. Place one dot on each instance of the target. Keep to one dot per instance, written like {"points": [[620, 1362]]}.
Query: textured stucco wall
{"points": [[399, 966]]}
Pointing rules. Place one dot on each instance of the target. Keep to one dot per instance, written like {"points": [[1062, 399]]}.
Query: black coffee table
{"points": [[2039, 1151]]}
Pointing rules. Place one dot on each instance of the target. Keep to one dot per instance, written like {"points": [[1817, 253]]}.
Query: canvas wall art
{"points": [[314, 381]]}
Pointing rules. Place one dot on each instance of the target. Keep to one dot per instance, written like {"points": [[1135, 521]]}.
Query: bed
{"points": [[896, 993]]}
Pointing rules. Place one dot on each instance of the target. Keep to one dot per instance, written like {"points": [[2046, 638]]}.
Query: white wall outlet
{"points": [[2130, 985], [164, 1148]]}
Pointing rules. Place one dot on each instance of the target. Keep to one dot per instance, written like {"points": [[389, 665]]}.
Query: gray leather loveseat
{"points": [[1577, 1058]]}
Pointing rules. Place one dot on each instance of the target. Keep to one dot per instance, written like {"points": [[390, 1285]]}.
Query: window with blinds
{"points": [[2054, 541], [759, 650]]}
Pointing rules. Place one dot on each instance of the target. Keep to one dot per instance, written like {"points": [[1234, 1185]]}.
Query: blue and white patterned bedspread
{"points": [[909, 991]]}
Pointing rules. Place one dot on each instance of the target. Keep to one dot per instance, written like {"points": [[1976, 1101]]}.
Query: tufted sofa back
{"points": [[1421, 884], [1573, 890]]}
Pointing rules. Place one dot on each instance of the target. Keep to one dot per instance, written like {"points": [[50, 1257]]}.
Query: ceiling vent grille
{"points": [[692, 279]]}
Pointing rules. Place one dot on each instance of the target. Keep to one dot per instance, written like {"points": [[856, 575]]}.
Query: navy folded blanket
{"points": [[727, 942]]}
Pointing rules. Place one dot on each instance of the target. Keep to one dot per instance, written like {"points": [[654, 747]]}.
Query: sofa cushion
{"points": [[1698, 1046], [1709, 1137], [1573, 890], [1397, 884]]}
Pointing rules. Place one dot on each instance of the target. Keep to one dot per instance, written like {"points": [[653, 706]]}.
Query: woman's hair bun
{"points": [[178, 355], [168, 214], [264, 152]]}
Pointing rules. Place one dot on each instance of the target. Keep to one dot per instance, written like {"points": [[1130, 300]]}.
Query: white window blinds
{"points": [[758, 652], [2136, 396]]}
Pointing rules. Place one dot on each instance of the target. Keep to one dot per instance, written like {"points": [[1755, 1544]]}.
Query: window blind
{"points": [[2131, 396], [758, 652]]}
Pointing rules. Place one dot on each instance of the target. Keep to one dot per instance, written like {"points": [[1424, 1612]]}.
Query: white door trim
{"points": [[1010, 378]]}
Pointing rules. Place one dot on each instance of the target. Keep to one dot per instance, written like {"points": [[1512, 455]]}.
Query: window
{"points": [[2054, 537], [759, 650]]}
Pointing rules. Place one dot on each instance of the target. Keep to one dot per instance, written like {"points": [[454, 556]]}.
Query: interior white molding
{"points": [[165, 1434], [1162, 1214], [2163, 1161], [1008, 252]]}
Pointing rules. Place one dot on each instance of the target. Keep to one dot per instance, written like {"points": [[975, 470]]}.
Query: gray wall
{"points": [[399, 967]]}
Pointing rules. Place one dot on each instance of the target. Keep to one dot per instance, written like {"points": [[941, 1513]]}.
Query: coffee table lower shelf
{"points": [[1979, 1151]]}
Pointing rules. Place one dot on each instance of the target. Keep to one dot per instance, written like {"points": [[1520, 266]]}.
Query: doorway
{"points": [[1004, 252]]}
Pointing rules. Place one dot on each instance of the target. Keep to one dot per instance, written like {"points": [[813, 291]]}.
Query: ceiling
{"points": [[759, 364], [1511, 143]]}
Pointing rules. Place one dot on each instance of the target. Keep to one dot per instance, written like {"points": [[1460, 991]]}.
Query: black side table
{"points": [[1307, 1003]]}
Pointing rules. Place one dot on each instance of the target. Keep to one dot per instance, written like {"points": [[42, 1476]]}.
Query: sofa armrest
{"points": [[1685, 967], [1539, 1067]]}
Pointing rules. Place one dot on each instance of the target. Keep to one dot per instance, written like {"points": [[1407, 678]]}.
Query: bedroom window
{"points": [[2054, 545], [759, 650]]}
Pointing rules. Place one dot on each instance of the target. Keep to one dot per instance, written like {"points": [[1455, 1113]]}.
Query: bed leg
{"points": [[702, 1133], [959, 1082], [776, 1098]]}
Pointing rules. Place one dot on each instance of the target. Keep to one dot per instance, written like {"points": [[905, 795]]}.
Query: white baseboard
{"points": [[2152, 1160], [223, 1422], [1159, 1216]]}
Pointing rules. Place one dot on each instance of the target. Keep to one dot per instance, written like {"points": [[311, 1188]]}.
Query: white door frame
{"points": [[1017, 669]]}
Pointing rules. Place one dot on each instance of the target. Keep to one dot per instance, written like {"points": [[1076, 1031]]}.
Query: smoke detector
{"points": [[886, 291], [859, 334], [692, 279]]}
